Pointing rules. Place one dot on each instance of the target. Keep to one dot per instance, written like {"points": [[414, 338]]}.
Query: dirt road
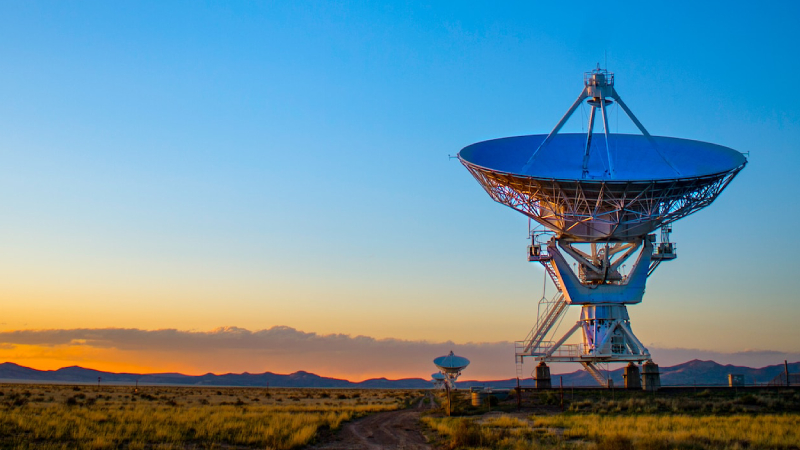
{"points": [[387, 430]]}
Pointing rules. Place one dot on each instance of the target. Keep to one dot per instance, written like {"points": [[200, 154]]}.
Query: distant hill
{"points": [[695, 372], [74, 374], [691, 373]]}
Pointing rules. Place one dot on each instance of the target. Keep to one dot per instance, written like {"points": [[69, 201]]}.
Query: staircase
{"points": [[596, 373], [548, 314], [553, 309]]}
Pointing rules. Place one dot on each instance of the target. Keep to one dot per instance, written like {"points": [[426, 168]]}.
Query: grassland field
{"points": [[120, 417], [600, 419]]}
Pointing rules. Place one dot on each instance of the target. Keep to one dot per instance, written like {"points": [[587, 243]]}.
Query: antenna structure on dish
{"points": [[599, 203]]}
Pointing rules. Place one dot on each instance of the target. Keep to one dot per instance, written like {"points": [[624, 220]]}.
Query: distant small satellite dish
{"points": [[438, 380], [451, 363]]}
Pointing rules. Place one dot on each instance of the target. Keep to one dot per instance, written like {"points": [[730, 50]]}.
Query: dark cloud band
{"points": [[288, 349]]}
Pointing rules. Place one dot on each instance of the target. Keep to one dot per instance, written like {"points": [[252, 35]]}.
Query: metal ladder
{"points": [[552, 312], [520, 372], [553, 309], [596, 373]]}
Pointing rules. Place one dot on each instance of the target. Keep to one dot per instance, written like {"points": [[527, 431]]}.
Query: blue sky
{"points": [[193, 165]]}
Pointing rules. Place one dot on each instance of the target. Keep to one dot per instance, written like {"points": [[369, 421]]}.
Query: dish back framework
{"points": [[599, 202]]}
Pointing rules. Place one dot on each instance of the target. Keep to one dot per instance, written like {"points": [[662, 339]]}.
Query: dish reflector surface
{"points": [[636, 158], [451, 363], [655, 181]]}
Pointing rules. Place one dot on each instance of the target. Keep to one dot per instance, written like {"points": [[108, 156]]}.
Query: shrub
{"points": [[550, 398], [466, 433], [704, 393], [615, 442]]}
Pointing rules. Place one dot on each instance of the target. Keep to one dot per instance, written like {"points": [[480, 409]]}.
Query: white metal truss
{"points": [[592, 210], [595, 372], [450, 378], [602, 290]]}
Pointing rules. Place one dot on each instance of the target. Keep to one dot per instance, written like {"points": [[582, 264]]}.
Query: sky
{"points": [[199, 186]]}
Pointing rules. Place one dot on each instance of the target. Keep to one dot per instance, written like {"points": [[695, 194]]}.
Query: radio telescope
{"points": [[598, 203], [438, 380], [450, 367]]}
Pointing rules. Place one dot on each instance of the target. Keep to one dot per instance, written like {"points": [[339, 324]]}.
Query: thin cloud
{"points": [[277, 349], [284, 349], [279, 339]]}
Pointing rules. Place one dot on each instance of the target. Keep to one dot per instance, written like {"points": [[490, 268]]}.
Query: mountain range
{"points": [[695, 372]]}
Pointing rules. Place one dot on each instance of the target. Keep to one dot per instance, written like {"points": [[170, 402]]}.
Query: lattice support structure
{"points": [[599, 210], [603, 291]]}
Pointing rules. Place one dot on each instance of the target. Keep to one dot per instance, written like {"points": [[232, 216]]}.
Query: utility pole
{"points": [[786, 369], [447, 388]]}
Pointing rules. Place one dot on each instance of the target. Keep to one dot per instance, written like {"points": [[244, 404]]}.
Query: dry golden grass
{"points": [[110, 417], [498, 432], [646, 431], [768, 431]]}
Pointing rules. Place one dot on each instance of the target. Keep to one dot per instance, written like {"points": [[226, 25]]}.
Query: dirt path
{"points": [[387, 430]]}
